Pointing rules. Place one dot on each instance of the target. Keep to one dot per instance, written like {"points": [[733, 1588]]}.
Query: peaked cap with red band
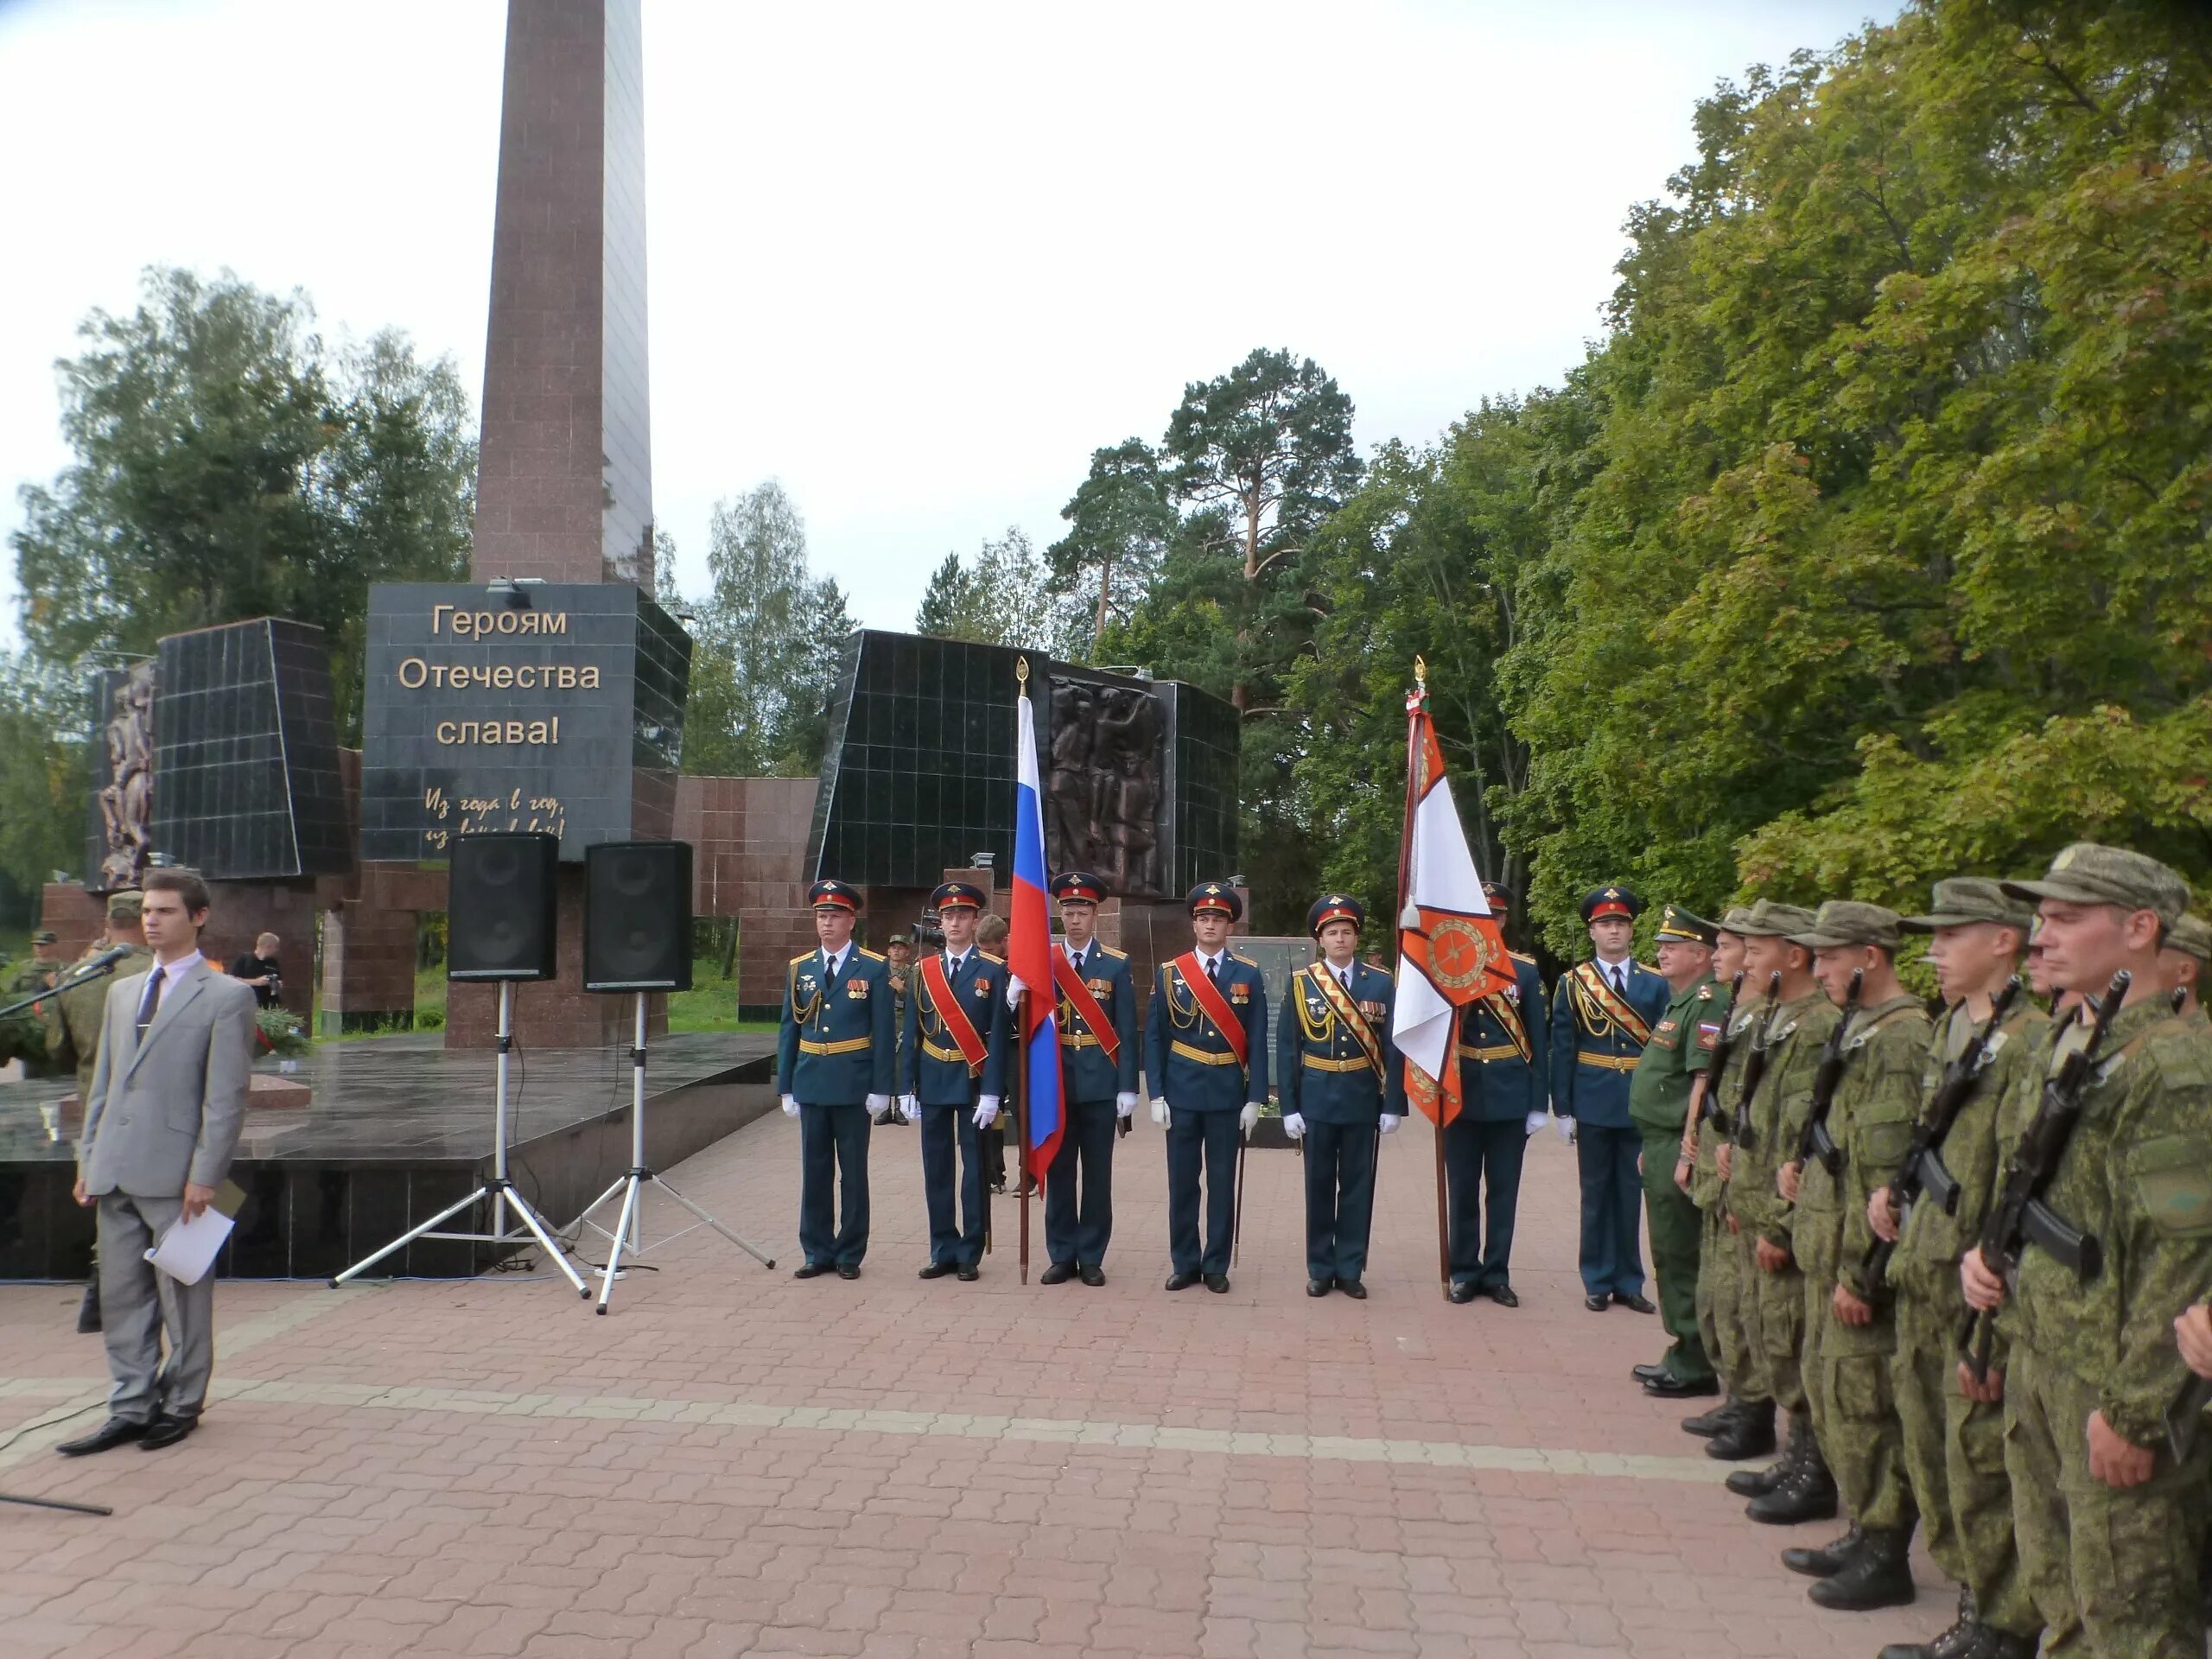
{"points": [[956, 895], [1080, 886], [835, 895], [1217, 897], [1605, 901], [1336, 907]]}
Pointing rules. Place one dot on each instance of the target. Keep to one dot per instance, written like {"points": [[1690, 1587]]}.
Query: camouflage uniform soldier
{"points": [[1798, 1487], [1954, 1441], [2110, 1523], [2185, 963], [22, 1035], [72, 1020]]}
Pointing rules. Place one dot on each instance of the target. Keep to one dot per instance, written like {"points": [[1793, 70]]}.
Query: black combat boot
{"points": [[1995, 1644], [1829, 1559], [1757, 1483], [1752, 1435], [1807, 1494], [1710, 1423], [1964, 1640], [1878, 1575]]}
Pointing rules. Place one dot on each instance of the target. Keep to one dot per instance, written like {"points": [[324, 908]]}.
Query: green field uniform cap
{"points": [[2192, 936], [45, 935], [2088, 873], [1736, 921], [1846, 921], [1683, 926], [1768, 920], [1965, 899], [128, 908]]}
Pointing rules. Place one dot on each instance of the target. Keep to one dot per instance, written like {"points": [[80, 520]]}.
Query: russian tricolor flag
{"points": [[1029, 952]]}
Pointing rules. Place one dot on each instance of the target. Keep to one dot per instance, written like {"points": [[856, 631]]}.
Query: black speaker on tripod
{"points": [[637, 915], [499, 907]]}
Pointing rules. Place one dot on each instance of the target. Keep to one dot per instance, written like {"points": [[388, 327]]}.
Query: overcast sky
{"points": [[915, 261]]}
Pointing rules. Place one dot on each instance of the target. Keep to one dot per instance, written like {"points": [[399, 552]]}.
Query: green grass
{"points": [[710, 1005]]}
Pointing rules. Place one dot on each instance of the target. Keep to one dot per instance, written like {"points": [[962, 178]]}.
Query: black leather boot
{"points": [[1878, 1575], [1964, 1640], [1710, 1423], [1830, 1558], [1752, 1435], [1757, 1483], [2002, 1644], [1807, 1494]]}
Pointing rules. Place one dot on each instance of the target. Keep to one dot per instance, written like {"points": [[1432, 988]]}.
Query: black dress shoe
{"points": [[1352, 1289], [166, 1431], [1461, 1291], [1634, 1303], [848, 1269], [1182, 1281], [1503, 1296], [1597, 1304], [1094, 1276], [1682, 1387], [811, 1270], [935, 1270], [967, 1273], [1317, 1287], [112, 1432], [1217, 1283], [1647, 1373], [1058, 1273]]}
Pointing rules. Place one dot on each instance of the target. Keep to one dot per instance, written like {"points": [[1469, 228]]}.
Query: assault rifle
{"points": [[1923, 1170], [2186, 1416], [1755, 1067], [1709, 1108], [1816, 1142], [2020, 1214]]}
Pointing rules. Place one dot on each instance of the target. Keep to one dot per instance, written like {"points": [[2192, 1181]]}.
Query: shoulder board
{"points": [[1647, 968], [1108, 950], [873, 955], [987, 956], [1236, 955], [1704, 993], [802, 956]]}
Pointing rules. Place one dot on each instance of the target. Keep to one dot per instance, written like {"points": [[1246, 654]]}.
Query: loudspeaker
{"points": [[637, 915], [500, 904]]}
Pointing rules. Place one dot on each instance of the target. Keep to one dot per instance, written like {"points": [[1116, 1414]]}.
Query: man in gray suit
{"points": [[161, 1119]]}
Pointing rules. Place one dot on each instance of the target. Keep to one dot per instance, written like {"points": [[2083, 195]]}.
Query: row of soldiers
{"points": [[1943, 1263]]}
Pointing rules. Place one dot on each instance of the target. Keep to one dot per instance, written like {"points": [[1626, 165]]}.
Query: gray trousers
{"points": [[138, 1303]]}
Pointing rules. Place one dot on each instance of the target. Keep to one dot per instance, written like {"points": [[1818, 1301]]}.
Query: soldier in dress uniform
{"points": [[952, 1068], [1658, 1102], [1098, 1071], [1342, 1089], [835, 1060], [1504, 1053], [1205, 1058], [1602, 1014]]}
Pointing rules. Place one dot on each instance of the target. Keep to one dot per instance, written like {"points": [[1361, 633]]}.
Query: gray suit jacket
{"points": [[169, 1111]]}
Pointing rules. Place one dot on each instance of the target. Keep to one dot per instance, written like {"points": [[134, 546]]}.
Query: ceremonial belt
{"points": [[1597, 992], [1207, 1057], [1081, 1039], [1507, 1013], [1085, 1006], [1340, 1004], [938, 1051], [848, 1046], [1609, 1062], [1493, 1052], [1315, 1062], [956, 1022], [1216, 1005]]}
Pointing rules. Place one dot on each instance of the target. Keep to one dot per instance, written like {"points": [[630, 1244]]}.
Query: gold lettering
{"points": [[446, 733], [422, 673], [438, 614], [590, 680]]}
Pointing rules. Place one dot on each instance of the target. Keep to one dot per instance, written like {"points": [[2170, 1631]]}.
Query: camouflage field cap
{"points": [[2089, 874], [1965, 899], [1846, 921], [2192, 936], [1684, 926], [45, 935], [126, 907], [1768, 920], [1736, 921]]}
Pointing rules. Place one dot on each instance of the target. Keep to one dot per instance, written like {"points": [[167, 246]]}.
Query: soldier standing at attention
{"points": [[23, 1034], [835, 1059], [1342, 1089], [1206, 1057], [2109, 1522], [1953, 1427], [1098, 1070], [951, 1075], [1602, 1015], [1504, 1052], [1850, 1336], [1659, 1092], [1797, 1487], [899, 968]]}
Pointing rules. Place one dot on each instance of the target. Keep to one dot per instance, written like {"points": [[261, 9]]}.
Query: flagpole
{"points": [[1022, 1047], [1415, 708]]}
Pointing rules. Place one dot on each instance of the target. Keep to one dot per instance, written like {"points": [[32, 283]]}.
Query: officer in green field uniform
{"points": [[73, 1019], [1658, 1104], [1954, 1439], [2110, 1523]]}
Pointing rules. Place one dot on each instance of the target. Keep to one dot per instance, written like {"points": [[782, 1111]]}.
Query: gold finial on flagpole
{"points": [[1021, 673], [1420, 673]]}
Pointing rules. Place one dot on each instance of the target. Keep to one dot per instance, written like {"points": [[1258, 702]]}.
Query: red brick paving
{"points": [[316, 1516]]}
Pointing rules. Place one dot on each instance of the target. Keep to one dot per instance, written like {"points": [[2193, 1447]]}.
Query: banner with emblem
{"points": [[1450, 950]]}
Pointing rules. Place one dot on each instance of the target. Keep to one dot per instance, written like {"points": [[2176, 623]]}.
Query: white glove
{"points": [[1566, 1130], [1014, 987], [790, 1106], [987, 1111], [1535, 1123], [878, 1104], [1159, 1112], [1247, 1117], [910, 1108], [1390, 1123], [1293, 1125], [1125, 1105]]}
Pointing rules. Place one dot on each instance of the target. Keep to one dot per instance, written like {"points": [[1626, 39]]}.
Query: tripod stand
{"points": [[628, 1233], [498, 1188]]}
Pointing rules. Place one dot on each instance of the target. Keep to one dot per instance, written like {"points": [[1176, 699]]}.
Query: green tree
{"points": [[45, 771], [1007, 598], [1120, 522]]}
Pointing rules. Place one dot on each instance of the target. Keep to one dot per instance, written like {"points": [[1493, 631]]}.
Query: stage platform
{"points": [[398, 1128]]}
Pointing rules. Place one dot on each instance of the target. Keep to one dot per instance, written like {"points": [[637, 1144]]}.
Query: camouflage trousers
{"points": [[1954, 1455], [1854, 1415], [1722, 1319], [1774, 1313], [2111, 1573]]}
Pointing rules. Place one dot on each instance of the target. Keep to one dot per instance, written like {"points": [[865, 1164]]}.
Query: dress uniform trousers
{"points": [[1079, 1186]]}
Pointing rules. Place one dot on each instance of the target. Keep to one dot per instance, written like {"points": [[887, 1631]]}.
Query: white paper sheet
{"points": [[189, 1248]]}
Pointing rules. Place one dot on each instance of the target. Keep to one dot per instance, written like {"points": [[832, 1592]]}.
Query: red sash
{"points": [[1215, 1004], [1086, 1006], [964, 1035], [1348, 1015]]}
